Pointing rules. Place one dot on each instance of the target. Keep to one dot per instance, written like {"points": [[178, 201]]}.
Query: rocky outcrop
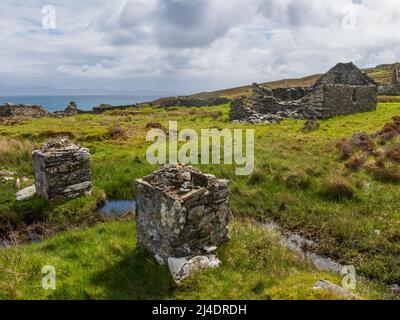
{"points": [[62, 170], [181, 213], [21, 110]]}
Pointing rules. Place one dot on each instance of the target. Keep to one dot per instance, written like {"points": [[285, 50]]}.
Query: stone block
{"points": [[62, 170]]}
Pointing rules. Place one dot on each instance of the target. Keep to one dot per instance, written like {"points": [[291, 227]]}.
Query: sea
{"points": [[56, 103]]}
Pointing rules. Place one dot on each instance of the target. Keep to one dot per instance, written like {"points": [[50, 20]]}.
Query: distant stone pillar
{"points": [[396, 76], [62, 170], [181, 212]]}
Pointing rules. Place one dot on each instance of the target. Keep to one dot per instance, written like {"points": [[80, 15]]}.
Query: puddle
{"points": [[115, 208], [298, 244]]}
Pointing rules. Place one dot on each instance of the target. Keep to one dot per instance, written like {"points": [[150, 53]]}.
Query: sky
{"points": [[185, 46]]}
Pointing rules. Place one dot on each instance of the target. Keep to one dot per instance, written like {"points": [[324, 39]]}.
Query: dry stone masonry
{"points": [[344, 89], [182, 213], [62, 170]]}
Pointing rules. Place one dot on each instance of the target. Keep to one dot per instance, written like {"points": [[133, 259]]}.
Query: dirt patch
{"points": [[310, 126], [156, 125], [117, 133], [382, 146]]}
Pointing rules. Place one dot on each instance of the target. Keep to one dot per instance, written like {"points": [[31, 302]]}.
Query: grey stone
{"points": [[26, 193], [182, 268], [333, 288]]}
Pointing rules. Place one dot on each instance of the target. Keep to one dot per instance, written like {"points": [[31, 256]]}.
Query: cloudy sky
{"points": [[186, 46]]}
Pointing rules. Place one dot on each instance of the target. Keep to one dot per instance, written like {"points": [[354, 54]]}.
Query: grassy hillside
{"points": [[291, 185], [381, 74]]}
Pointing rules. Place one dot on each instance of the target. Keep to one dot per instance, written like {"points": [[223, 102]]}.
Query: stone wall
{"points": [[62, 170], [181, 212], [190, 102], [239, 109], [343, 99], [13, 110], [106, 107]]}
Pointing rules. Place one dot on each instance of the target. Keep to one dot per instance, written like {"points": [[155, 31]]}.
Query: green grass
{"points": [[104, 263], [293, 170]]}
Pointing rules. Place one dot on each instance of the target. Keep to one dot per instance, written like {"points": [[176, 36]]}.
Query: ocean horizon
{"points": [[56, 103]]}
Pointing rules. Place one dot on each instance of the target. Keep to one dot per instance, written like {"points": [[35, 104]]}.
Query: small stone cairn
{"points": [[62, 170], [182, 216]]}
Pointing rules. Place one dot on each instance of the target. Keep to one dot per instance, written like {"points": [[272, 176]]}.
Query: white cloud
{"points": [[189, 45]]}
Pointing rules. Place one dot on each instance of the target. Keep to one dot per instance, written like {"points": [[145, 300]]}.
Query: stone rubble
{"points": [[181, 213], [62, 170], [6, 176]]}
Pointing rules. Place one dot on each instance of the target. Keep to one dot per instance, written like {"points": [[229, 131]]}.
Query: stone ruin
{"points": [[182, 217], [394, 88], [69, 111], [21, 110], [344, 89], [62, 170]]}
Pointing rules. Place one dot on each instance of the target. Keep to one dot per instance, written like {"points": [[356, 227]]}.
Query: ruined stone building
{"points": [[15, 110], [344, 89]]}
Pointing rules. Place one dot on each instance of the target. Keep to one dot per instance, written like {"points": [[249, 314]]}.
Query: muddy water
{"points": [[115, 208], [303, 247]]}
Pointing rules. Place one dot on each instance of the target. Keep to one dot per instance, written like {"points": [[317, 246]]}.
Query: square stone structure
{"points": [[62, 170], [181, 212]]}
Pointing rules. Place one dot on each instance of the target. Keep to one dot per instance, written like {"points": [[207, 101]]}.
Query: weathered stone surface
{"points": [[26, 193], [344, 89], [182, 268], [62, 169], [181, 212]]}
